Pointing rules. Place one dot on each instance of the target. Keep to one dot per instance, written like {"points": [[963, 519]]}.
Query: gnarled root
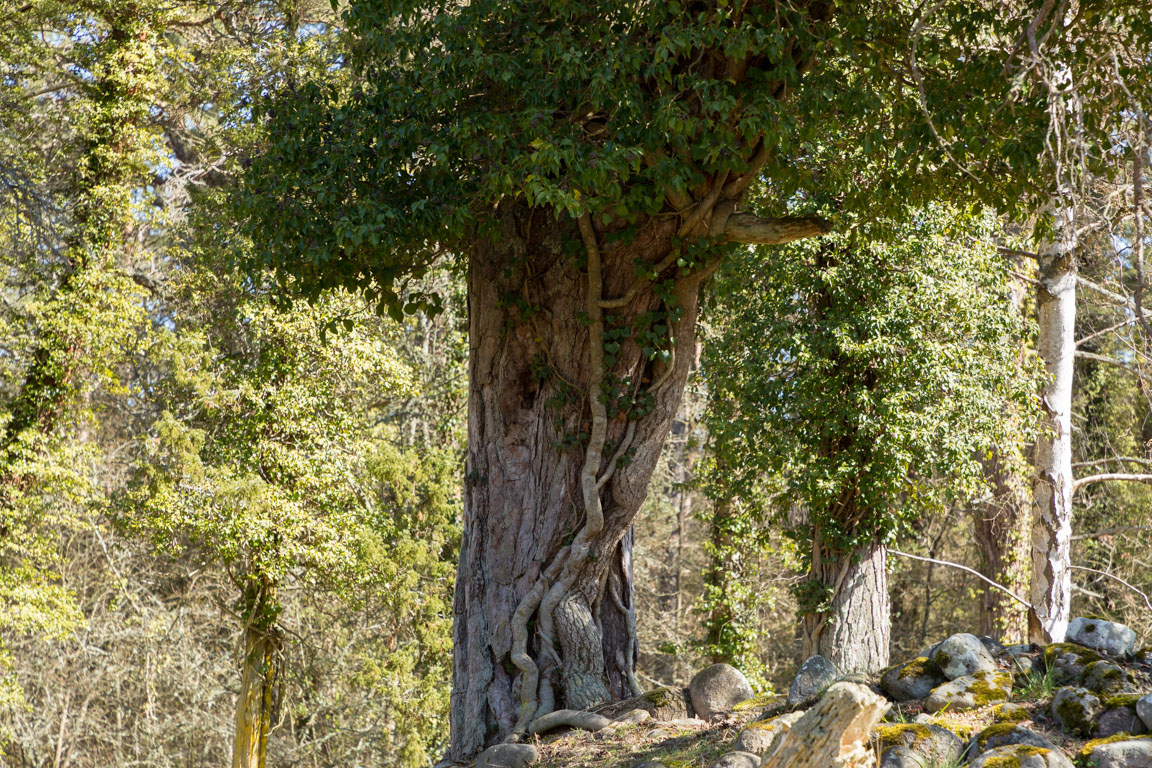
{"points": [[569, 718]]}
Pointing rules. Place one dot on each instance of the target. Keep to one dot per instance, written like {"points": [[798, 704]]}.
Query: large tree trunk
{"points": [[554, 479], [854, 632], [1001, 526], [1052, 486]]}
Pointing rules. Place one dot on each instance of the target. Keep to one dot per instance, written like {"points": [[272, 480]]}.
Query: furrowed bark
{"points": [[527, 480], [1053, 485], [854, 633]]}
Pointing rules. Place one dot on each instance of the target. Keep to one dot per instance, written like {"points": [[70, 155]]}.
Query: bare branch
{"points": [[972, 571], [1124, 477], [1113, 361], [1147, 602]]}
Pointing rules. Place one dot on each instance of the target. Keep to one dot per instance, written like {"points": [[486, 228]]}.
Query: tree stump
{"points": [[833, 734]]}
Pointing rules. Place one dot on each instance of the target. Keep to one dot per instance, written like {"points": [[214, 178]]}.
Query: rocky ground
{"points": [[966, 701]]}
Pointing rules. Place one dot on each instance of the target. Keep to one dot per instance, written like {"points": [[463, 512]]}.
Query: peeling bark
{"points": [[1052, 485]]}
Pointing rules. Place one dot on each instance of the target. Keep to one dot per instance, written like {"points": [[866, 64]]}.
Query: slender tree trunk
{"points": [[854, 632], [1052, 485], [254, 708], [543, 608], [1001, 527]]}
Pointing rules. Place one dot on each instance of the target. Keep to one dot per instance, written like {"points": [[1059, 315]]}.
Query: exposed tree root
{"points": [[569, 718]]}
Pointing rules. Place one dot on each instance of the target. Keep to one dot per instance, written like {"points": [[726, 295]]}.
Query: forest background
{"points": [[197, 473]]}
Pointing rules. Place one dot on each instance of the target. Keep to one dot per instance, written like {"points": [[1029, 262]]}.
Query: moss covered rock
{"points": [[1006, 734], [759, 735], [970, 692], [1010, 713], [1122, 751], [1076, 709], [963, 655], [912, 680], [928, 744], [1104, 678], [1021, 756], [1068, 660]]}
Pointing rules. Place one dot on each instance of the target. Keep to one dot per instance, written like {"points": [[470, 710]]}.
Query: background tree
{"points": [[867, 373]]}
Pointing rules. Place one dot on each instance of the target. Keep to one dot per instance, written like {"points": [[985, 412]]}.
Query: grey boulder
{"points": [[508, 756], [1076, 710], [715, 690], [914, 745], [1022, 756], [1120, 718], [1130, 753], [1004, 735], [814, 675], [759, 735], [912, 680], [1104, 636], [737, 760], [970, 692], [1104, 678], [1144, 710], [963, 655]]}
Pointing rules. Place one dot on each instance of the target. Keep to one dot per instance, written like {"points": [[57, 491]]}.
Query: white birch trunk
{"points": [[1052, 485]]}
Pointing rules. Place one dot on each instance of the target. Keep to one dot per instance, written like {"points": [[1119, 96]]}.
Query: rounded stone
{"points": [[963, 655], [508, 756], [1119, 719], [1075, 709], [928, 744], [1129, 753], [1007, 734], [1144, 710], [715, 690], [912, 680], [1105, 636], [1104, 678], [737, 760], [970, 692], [1022, 756], [814, 675], [759, 736]]}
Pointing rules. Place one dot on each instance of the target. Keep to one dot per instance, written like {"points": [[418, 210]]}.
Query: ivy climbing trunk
{"points": [[1001, 527], [1052, 485], [853, 629], [543, 609], [254, 707]]}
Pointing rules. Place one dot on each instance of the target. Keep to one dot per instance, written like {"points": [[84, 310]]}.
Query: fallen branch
{"points": [[748, 228], [1147, 602], [972, 571]]}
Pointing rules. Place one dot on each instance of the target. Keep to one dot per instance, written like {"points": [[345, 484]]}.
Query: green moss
{"points": [[1083, 655], [921, 666], [942, 659], [990, 688], [998, 729], [1086, 750], [1072, 715], [1122, 700], [1013, 760], [961, 728], [897, 735], [660, 697], [764, 700], [1015, 714]]}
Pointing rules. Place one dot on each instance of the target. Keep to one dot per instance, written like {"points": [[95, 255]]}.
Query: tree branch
{"points": [[972, 571], [1114, 578], [1107, 477], [1113, 361], [748, 228]]}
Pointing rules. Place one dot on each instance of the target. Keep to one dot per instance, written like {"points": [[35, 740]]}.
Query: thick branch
{"points": [[747, 228]]}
